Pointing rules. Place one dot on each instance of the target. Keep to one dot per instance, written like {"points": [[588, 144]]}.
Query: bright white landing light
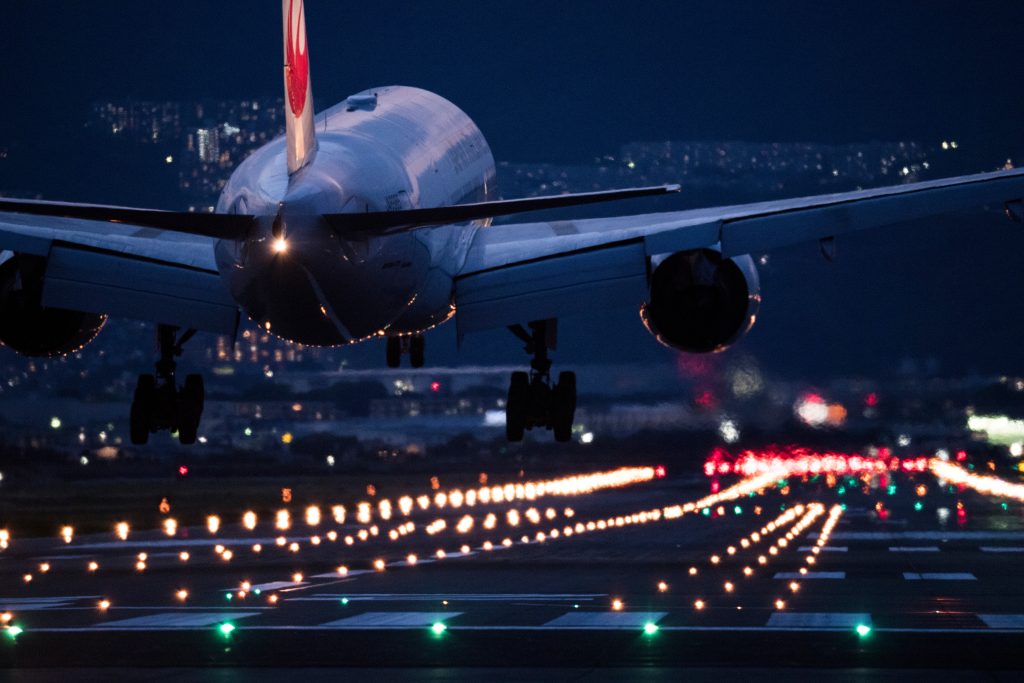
{"points": [[280, 245]]}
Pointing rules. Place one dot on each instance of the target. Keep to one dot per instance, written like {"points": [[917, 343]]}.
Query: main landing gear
{"points": [[159, 403], [533, 401], [413, 344]]}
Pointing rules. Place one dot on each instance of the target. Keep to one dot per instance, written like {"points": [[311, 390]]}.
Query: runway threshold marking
{"points": [[1003, 621], [913, 549], [605, 619], [939, 576], [391, 620], [810, 575], [818, 620], [175, 620]]}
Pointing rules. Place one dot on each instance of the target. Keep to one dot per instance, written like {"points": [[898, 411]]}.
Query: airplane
{"points": [[373, 219]]}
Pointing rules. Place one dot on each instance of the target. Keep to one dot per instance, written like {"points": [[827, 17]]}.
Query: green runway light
{"points": [[226, 628], [891, 489], [706, 512], [14, 631], [737, 510], [344, 601], [576, 606], [256, 591], [918, 506], [841, 491], [650, 628], [843, 506], [1004, 506], [438, 627], [227, 596], [863, 630]]}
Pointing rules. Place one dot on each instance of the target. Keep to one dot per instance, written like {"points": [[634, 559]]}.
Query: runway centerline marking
{"points": [[451, 597], [391, 620], [1001, 549], [824, 549], [913, 549]]}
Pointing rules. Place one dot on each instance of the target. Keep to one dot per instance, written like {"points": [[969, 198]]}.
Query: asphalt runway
{"points": [[938, 590]]}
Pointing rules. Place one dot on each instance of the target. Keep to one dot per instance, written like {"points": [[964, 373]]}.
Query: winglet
{"points": [[297, 87]]}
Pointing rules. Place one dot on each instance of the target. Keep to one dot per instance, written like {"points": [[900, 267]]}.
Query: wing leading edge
{"points": [[534, 271]]}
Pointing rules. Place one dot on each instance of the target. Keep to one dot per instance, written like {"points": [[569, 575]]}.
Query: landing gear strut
{"points": [[159, 403], [413, 344], [533, 401]]}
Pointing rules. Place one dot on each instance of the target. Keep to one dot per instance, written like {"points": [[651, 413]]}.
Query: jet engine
{"points": [[701, 302], [28, 327]]}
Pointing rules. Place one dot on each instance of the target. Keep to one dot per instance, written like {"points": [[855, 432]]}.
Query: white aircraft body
{"points": [[372, 219]]}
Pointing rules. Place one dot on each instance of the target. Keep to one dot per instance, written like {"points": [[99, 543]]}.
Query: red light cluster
{"points": [[802, 461]]}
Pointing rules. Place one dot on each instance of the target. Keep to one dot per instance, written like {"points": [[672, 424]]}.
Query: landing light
{"points": [[280, 245]]}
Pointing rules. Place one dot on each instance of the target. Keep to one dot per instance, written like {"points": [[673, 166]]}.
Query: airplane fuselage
{"points": [[384, 149]]}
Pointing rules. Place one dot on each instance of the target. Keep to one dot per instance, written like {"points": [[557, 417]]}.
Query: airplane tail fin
{"points": [[298, 90]]}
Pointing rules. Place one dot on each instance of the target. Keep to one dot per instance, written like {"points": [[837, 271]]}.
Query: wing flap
{"points": [[126, 287], [613, 276]]}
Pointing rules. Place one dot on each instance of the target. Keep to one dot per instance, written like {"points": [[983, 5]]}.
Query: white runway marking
{"points": [[926, 535], [176, 620], [605, 619], [273, 585], [1007, 621], [824, 549], [913, 549], [336, 575], [810, 575], [244, 541], [453, 597], [939, 576], [392, 620], [41, 603], [819, 620], [1002, 549]]}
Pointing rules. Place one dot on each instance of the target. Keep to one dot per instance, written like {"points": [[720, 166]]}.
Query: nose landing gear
{"points": [[159, 403], [533, 401]]}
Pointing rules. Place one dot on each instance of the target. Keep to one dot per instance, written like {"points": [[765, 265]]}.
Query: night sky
{"points": [[549, 81]]}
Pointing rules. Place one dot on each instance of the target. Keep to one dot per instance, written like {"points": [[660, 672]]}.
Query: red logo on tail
{"points": [[297, 58]]}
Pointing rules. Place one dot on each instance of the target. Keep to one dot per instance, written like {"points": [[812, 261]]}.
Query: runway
{"points": [[923, 586]]}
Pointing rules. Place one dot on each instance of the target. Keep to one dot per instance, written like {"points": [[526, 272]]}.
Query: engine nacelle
{"points": [[701, 302], [28, 327]]}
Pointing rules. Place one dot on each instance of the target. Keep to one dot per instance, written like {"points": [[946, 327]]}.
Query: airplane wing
{"points": [[123, 270], [533, 271]]}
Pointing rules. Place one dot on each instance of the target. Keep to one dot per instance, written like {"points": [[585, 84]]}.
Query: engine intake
{"points": [[31, 329], [701, 302]]}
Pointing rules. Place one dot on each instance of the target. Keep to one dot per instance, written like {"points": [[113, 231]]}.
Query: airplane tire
{"points": [[417, 351], [563, 406], [516, 406], [190, 408], [394, 352], [142, 408]]}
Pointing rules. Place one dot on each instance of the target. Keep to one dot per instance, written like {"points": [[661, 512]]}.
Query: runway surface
{"points": [[934, 586]]}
